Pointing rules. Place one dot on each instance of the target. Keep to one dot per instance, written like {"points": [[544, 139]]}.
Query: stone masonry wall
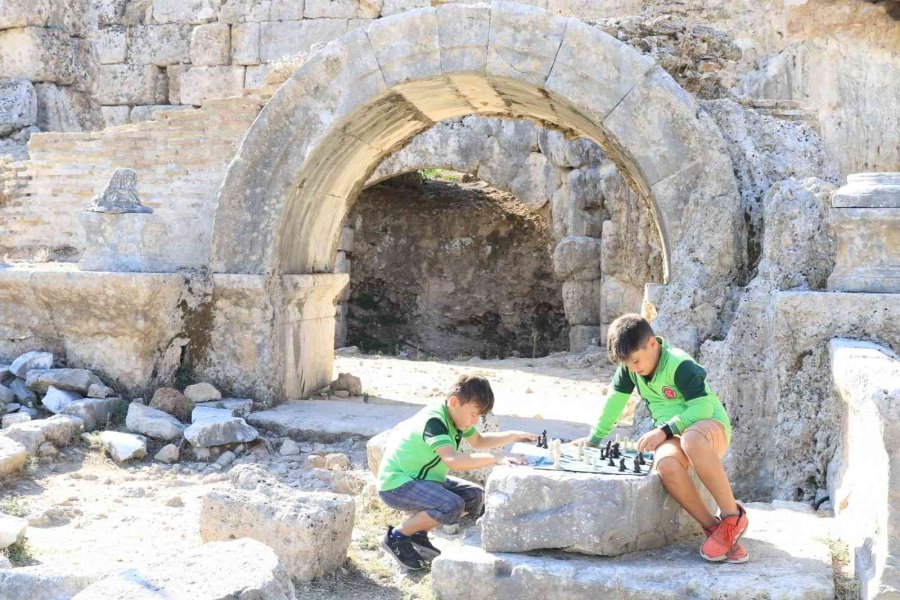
{"points": [[180, 162]]}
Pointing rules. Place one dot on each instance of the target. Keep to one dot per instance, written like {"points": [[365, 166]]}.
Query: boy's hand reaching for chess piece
{"points": [[582, 441], [508, 460], [523, 436], [651, 440]]}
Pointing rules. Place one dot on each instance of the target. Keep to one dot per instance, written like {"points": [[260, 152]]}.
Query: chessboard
{"points": [[616, 458]]}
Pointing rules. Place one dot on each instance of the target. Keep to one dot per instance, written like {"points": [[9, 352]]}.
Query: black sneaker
{"points": [[423, 546], [402, 550]]}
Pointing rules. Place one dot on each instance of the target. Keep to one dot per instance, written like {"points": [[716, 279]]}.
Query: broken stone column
{"points": [[865, 216], [121, 234], [607, 515]]}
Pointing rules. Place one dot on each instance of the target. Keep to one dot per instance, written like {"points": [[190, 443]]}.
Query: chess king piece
{"points": [[637, 465]]}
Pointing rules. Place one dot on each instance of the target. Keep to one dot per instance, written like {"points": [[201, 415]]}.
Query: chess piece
{"points": [[557, 453], [611, 462], [616, 453], [641, 459], [622, 465], [544, 444], [637, 465], [602, 453], [608, 447], [581, 452]]}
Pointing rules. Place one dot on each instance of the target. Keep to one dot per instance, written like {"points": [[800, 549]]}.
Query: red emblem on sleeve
{"points": [[669, 393]]}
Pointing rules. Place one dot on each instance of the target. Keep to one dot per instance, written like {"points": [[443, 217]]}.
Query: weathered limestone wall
{"points": [[180, 161], [48, 71]]}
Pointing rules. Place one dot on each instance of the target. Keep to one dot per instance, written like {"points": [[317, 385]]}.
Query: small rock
{"points": [[6, 395], [29, 361], [316, 461], [21, 392], [289, 448], [11, 529], [202, 392], [348, 382], [170, 400], [167, 454], [226, 459], [175, 501], [123, 446], [11, 407], [98, 390], [47, 450], [342, 394], [57, 399], [153, 422], [15, 418], [337, 462]]}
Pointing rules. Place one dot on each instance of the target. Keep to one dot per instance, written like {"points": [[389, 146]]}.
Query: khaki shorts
{"points": [[712, 430]]}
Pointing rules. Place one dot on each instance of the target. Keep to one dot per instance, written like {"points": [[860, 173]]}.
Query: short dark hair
{"points": [[474, 388], [626, 335]]}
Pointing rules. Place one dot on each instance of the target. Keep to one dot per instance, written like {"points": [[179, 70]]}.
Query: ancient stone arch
{"points": [[365, 95]]}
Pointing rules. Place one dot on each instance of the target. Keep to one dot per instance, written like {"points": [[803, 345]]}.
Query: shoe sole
{"points": [[724, 557], [390, 552], [738, 561], [426, 552]]}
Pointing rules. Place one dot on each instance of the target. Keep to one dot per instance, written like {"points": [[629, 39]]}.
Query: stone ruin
{"points": [[175, 185]]}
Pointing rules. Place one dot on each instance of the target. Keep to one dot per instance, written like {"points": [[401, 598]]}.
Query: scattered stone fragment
{"points": [[22, 393], [12, 456], [9, 420], [11, 407], [218, 431], [239, 407], [167, 454], [56, 400], [152, 422], [337, 462], [202, 392], [172, 401], [6, 395], [47, 450], [123, 446], [316, 461], [175, 501], [98, 390], [72, 380], [96, 412], [349, 383], [289, 448], [226, 459], [29, 361], [11, 529]]}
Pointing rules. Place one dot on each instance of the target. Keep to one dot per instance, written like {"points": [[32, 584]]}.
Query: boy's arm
{"points": [[622, 386], [460, 461], [690, 379], [483, 441]]}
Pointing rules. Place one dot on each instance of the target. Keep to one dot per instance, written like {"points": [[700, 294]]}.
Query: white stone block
{"points": [[286, 10], [197, 84], [112, 45], [393, 7], [18, 105], [577, 257], [38, 54], [581, 301], [281, 39], [132, 242], [61, 108], [250, 11], [160, 45], [192, 12], [11, 529], [255, 77], [115, 115], [123, 446], [245, 44], [152, 422], [12, 456], [210, 45], [24, 13], [132, 84], [340, 9]]}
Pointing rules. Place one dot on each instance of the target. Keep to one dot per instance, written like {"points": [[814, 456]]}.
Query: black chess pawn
{"points": [[637, 465], [602, 453], [622, 465], [640, 458], [608, 447], [611, 462]]}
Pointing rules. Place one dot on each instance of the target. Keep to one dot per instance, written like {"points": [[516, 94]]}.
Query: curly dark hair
{"points": [[626, 335]]}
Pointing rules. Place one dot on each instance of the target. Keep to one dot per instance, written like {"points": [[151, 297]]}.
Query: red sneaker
{"points": [[724, 536], [737, 554]]}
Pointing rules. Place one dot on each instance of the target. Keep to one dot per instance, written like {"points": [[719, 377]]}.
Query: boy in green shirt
{"points": [[413, 472], [692, 429]]}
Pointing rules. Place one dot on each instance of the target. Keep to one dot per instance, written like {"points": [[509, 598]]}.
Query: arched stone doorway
{"points": [[364, 96]]}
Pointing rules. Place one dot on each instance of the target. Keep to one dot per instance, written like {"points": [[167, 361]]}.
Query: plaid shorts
{"points": [[443, 503]]}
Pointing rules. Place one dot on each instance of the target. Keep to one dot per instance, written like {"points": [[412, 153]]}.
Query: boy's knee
{"points": [[693, 442], [451, 512], [669, 467]]}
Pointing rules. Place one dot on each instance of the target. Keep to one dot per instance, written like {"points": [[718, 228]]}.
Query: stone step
{"points": [[789, 558], [330, 421]]}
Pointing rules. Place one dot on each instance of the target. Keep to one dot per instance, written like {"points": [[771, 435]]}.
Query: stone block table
{"points": [[607, 515]]}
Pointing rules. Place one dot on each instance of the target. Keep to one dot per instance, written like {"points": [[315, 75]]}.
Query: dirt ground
{"points": [[88, 514]]}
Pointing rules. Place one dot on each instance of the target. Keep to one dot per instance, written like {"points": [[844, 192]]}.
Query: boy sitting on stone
{"points": [[413, 472], [692, 429]]}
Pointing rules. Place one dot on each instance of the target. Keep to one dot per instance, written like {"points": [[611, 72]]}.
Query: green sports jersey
{"points": [[676, 394], [411, 452]]}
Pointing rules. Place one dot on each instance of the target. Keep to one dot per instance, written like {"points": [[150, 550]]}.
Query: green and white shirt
{"points": [[676, 394], [411, 453]]}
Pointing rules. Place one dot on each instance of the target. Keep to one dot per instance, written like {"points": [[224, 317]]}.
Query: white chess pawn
{"points": [[581, 452], [557, 453]]}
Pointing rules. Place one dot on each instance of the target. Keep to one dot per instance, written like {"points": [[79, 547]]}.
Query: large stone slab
{"points": [[241, 568], [45, 581], [58, 430], [309, 531], [18, 105], [31, 360], [123, 446], [56, 400], [95, 412], [38, 54], [607, 515], [218, 430], [789, 560]]}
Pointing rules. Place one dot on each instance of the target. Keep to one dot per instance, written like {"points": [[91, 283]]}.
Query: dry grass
{"points": [[846, 586]]}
